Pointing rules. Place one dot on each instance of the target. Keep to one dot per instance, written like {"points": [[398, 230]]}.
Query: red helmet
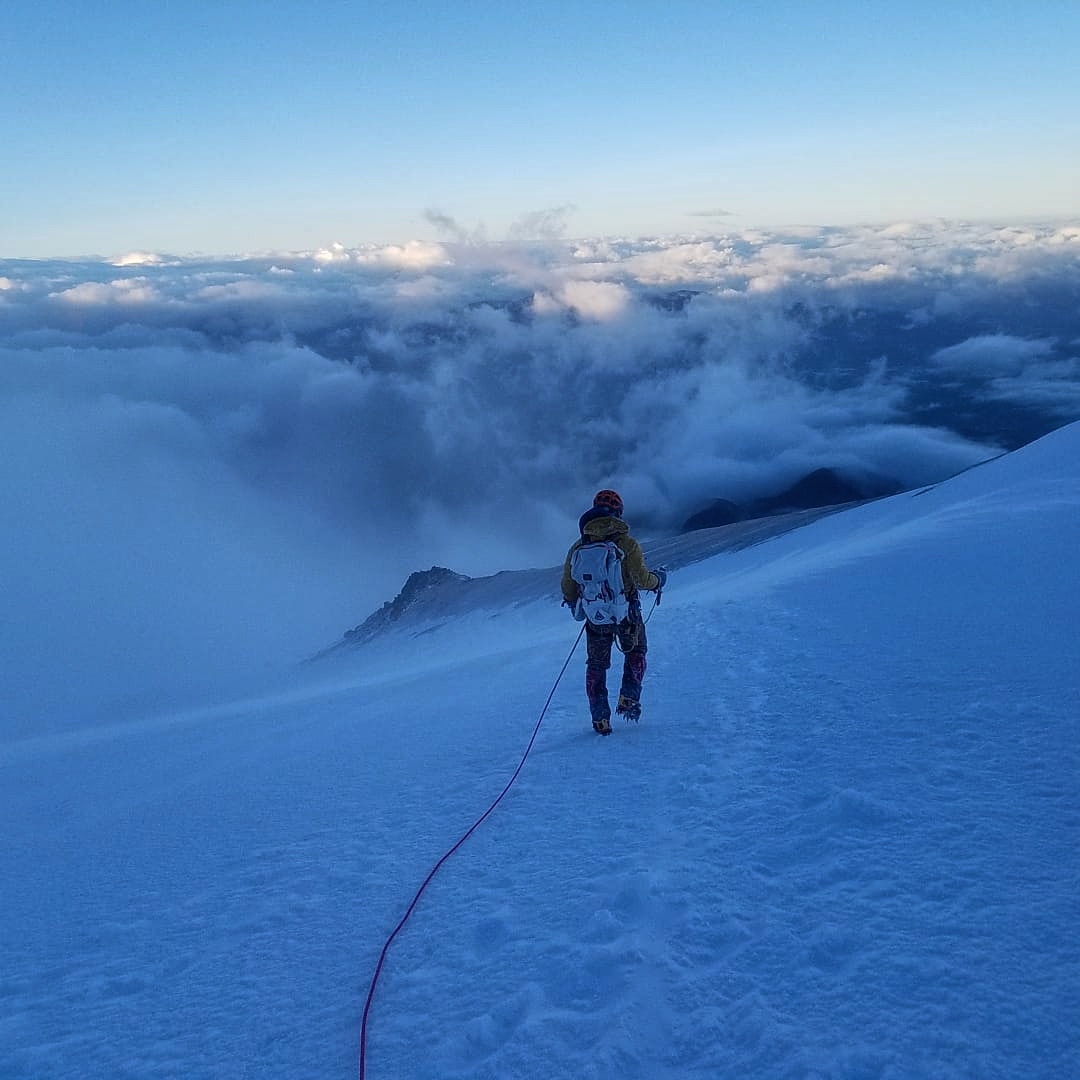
{"points": [[610, 500]]}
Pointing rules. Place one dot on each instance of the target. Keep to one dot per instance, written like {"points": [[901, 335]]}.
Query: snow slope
{"points": [[842, 842]]}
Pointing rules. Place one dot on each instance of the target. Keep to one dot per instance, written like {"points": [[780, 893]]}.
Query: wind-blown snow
{"points": [[842, 842]]}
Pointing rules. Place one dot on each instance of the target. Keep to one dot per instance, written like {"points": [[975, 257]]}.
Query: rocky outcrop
{"points": [[720, 512], [820, 488], [419, 590]]}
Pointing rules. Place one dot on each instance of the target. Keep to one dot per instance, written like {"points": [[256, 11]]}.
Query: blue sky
{"points": [[241, 127]]}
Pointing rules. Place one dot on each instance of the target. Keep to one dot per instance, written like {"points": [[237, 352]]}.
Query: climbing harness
{"points": [[465, 836]]}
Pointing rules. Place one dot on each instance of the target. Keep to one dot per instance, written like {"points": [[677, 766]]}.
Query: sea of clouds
{"points": [[209, 464]]}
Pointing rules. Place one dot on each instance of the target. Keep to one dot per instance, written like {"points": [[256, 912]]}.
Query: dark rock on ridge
{"points": [[721, 512], [820, 488], [420, 584]]}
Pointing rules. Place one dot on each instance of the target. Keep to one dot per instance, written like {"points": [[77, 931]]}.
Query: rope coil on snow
{"points": [[435, 869]]}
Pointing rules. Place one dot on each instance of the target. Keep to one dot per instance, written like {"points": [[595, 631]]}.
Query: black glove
{"points": [[661, 577]]}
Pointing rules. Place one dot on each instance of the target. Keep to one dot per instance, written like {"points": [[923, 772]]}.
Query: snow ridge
{"points": [[841, 843]]}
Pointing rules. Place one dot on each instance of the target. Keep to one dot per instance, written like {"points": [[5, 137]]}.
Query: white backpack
{"points": [[597, 569]]}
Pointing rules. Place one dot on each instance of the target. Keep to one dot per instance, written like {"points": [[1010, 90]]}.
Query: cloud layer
{"points": [[255, 451]]}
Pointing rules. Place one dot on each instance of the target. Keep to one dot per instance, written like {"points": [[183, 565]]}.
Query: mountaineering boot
{"points": [[602, 725], [628, 707]]}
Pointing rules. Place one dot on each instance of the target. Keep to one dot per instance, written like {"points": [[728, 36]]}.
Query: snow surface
{"points": [[843, 842]]}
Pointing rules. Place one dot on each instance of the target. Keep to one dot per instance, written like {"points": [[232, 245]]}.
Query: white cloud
{"points": [[416, 255], [334, 253], [990, 354], [701, 262], [309, 412], [250, 289], [120, 291], [143, 258], [601, 300], [780, 263]]}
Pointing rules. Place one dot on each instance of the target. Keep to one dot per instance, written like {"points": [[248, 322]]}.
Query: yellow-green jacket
{"points": [[636, 575]]}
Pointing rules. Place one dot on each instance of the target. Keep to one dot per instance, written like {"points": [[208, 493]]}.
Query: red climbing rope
{"points": [[435, 869]]}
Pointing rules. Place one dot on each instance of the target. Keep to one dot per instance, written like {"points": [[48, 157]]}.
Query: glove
{"points": [[661, 577], [575, 610]]}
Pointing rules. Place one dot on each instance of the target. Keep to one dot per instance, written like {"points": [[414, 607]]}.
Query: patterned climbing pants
{"points": [[630, 634]]}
